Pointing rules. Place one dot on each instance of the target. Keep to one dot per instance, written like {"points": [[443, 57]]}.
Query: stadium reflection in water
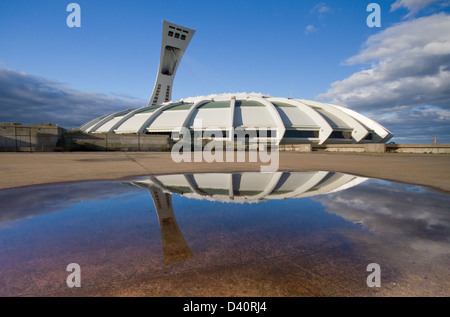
{"points": [[244, 187], [290, 233]]}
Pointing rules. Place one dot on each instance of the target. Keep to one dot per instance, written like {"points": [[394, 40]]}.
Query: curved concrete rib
{"points": [[359, 132], [191, 112], [193, 185], [339, 181], [231, 127], [270, 186], [281, 129], [94, 128], [128, 116], [378, 129], [325, 128], [313, 181], [354, 182], [89, 124], [230, 186], [153, 116]]}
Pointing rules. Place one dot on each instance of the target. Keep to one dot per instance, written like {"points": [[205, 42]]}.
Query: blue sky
{"points": [[303, 49]]}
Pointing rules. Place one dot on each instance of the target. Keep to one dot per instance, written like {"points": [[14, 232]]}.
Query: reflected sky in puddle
{"points": [[226, 234]]}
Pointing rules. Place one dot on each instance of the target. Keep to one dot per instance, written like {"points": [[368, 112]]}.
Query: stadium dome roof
{"points": [[250, 187], [293, 119]]}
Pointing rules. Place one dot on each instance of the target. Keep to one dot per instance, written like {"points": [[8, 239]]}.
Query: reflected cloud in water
{"points": [[28, 202], [420, 218]]}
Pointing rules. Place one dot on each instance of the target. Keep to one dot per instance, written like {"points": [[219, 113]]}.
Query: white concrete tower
{"points": [[175, 40]]}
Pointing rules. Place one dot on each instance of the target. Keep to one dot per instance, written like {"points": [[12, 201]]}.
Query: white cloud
{"points": [[321, 8], [310, 29], [414, 6], [409, 68]]}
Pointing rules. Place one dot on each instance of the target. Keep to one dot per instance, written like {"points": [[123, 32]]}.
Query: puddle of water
{"points": [[297, 233]]}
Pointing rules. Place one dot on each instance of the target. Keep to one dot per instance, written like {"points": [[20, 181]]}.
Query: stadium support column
{"points": [[175, 40]]}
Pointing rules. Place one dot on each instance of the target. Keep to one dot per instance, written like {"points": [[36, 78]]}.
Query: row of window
{"points": [[178, 29], [241, 135], [272, 133], [177, 35], [301, 134], [155, 99]]}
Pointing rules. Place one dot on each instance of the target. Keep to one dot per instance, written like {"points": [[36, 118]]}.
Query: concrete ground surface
{"points": [[25, 169]]}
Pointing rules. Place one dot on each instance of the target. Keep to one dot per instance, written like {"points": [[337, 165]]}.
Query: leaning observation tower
{"points": [[285, 119]]}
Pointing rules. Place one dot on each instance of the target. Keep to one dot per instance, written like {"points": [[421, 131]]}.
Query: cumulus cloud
{"points": [[30, 99], [410, 65], [418, 124], [415, 6], [409, 69]]}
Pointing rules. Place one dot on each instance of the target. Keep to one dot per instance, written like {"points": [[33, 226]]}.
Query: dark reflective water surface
{"points": [[238, 234]]}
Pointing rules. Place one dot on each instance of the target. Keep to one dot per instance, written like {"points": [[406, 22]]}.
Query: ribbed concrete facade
{"points": [[248, 187], [284, 118]]}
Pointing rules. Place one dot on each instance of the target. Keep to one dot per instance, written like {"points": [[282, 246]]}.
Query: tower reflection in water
{"points": [[242, 187]]}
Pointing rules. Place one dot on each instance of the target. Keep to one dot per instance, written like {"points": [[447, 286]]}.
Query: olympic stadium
{"points": [[284, 119], [249, 187]]}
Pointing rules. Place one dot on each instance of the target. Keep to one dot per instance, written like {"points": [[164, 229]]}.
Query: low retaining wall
{"points": [[41, 138], [33, 138], [295, 147], [117, 142], [367, 147], [443, 148]]}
